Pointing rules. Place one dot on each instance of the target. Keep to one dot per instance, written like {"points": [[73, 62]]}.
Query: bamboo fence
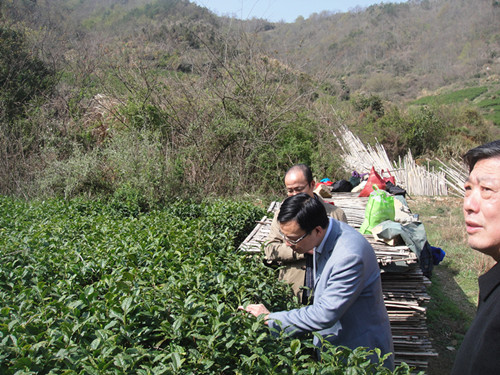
{"points": [[456, 174], [414, 178]]}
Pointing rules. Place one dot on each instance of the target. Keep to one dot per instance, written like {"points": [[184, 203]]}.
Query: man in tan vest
{"points": [[298, 179]]}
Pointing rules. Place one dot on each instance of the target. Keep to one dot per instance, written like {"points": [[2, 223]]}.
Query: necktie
{"points": [[307, 297]]}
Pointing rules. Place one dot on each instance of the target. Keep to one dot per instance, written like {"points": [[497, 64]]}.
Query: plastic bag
{"points": [[355, 179], [373, 179], [394, 190], [380, 207], [342, 186], [390, 179]]}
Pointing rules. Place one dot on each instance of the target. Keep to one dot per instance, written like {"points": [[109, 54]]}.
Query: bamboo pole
{"points": [[416, 179]]}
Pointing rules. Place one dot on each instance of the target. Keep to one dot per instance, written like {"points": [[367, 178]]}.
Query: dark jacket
{"points": [[480, 350]]}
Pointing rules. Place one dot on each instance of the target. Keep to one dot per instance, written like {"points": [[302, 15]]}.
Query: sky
{"points": [[282, 10]]}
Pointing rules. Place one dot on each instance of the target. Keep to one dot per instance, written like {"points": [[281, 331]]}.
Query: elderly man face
{"points": [[296, 183], [482, 207]]}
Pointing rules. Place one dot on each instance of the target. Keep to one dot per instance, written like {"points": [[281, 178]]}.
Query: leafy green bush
{"points": [[445, 131], [469, 130], [372, 103], [423, 131], [295, 143], [138, 162], [145, 116], [25, 83], [420, 130], [83, 173], [84, 290], [131, 168]]}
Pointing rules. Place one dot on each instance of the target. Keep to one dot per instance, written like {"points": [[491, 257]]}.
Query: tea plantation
{"points": [[89, 287]]}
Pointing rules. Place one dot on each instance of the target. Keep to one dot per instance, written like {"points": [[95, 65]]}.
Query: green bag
{"points": [[380, 207]]}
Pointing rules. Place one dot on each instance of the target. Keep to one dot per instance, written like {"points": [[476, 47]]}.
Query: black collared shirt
{"points": [[480, 350]]}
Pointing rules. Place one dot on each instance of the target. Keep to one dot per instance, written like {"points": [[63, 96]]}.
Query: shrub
{"points": [[146, 117], [83, 173], [423, 131], [137, 161], [420, 130], [295, 142], [84, 290], [25, 82], [372, 103], [133, 167]]}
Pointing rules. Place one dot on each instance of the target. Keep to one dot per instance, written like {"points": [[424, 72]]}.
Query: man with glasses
{"points": [[298, 179], [348, 307]]}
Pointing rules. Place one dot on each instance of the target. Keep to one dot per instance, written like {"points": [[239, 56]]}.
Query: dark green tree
{"points": [[23, 76]]}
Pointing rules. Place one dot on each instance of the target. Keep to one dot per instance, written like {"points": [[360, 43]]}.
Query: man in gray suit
{"points": [[348, 307]]}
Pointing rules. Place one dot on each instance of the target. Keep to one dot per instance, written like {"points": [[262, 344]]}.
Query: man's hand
{"points": [[256, 310]]}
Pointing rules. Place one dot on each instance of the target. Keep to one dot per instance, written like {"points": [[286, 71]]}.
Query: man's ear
{"points": [[312, 184]]}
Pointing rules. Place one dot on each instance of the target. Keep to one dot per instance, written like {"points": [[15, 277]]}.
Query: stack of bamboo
{"points": [[354, 208], [256, 239], [403, 283], [416, 179], [405, 297], [386, 255], [420, 180], [362, 158]]}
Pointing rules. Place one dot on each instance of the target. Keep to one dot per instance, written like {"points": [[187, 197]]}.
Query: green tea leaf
{"points": [[126, 304]]}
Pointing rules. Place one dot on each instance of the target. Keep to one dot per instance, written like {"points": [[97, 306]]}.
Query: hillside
{"points": [[89, 85], [398, 50]]}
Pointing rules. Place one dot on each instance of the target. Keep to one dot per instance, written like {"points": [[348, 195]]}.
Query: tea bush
{"points": [[88, 289]]}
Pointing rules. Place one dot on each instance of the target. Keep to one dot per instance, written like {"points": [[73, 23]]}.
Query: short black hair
{"points": [[304, 169], [309, 212], [486, 151]]}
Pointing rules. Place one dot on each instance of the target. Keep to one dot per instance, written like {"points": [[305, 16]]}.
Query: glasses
{"points": [[294, 242], [298, 189]]}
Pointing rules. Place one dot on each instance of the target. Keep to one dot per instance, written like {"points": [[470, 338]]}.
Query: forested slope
{"points": [[151, 99], [398, 50]]}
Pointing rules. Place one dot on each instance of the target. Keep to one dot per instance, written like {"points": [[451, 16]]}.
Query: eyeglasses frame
{"points": [[294, 242]]}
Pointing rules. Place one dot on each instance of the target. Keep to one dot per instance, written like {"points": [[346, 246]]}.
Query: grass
{"points": [[487, 99], [491, 104], [458, 96], [454, 289]]}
